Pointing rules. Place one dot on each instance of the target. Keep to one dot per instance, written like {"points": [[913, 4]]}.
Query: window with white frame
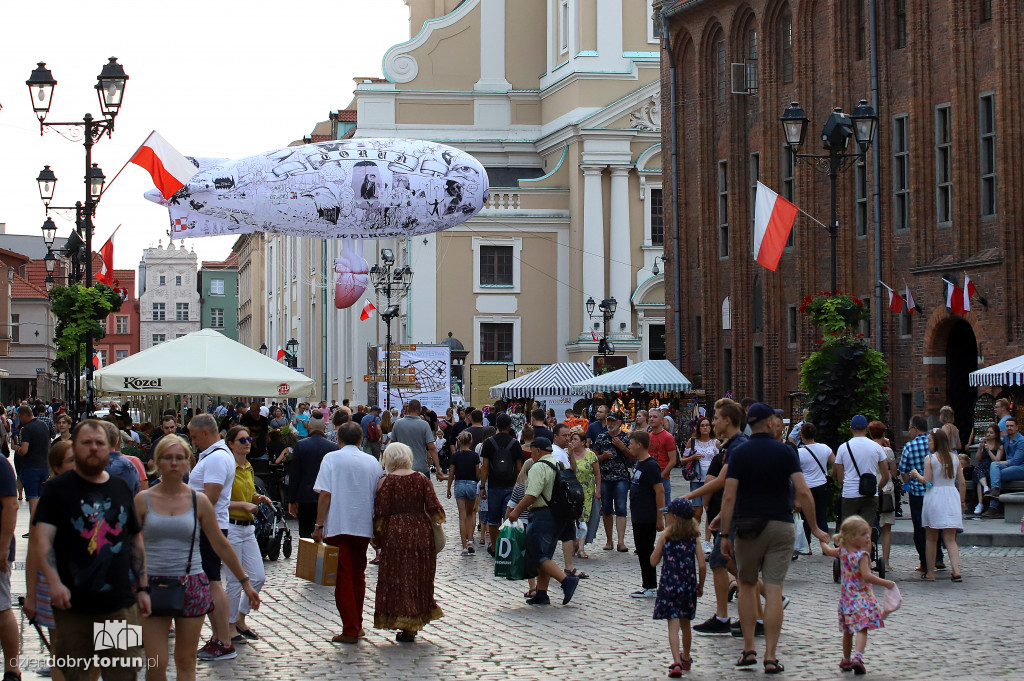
{"points": [[900, 174], [943, 165], [177, 280], [163, 280], [121, 324], [159, 338], [120, 354], [789, 185], [181, 312], [497, 264], [723, 209], [754, 173], [496, 341], [217, 317], [563, 26], [653, 23], [159, 312], [987, 118], [656, 206], [216, 287], [15, 328]]}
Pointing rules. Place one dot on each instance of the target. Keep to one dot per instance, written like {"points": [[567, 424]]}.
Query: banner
{"points": [[422, 374]]}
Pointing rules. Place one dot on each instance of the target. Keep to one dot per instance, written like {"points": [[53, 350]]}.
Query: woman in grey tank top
{"points": [[172, 518]]}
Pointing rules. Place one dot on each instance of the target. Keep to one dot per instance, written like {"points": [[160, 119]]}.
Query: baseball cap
{"points": [[680, 507], [542, 443], [858, 422], [759, 411], [375, 408], [615, 416]]}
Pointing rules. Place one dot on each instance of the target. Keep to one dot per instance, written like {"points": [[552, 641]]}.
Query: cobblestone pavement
{"points": [[944, 630]]}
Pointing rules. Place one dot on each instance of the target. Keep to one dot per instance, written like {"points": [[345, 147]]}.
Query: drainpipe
{"points": [[873, 15], [677, 283]]}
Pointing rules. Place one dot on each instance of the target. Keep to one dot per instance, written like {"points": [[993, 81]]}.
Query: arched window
{"points": [[751, 50], [786, 46], [720, 68]]}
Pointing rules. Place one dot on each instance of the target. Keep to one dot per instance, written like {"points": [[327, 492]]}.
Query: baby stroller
{"points": [[273, 535], [876, 555]]}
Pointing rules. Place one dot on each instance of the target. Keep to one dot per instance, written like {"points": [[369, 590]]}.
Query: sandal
{"points": [[608, 546], [675, 670], [956, 578], [622, 548], [530, 594], [582, 556], [773, 667], [576, 572], [748, 659], [926, 578]]}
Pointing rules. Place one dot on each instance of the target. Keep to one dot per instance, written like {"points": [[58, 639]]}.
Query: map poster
{"points": [[422, 374]]}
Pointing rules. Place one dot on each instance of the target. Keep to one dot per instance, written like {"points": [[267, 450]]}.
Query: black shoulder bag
{"points": [[167, 594], [868, 483]]}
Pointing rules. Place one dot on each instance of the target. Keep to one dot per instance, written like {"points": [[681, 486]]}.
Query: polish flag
{"points": [[895, 299], [281, 354], [969, 291], [773, 220], [169, 169], [367, 309], [106, 273], [954, 298], [96, 363], [911, 305], [593, 334]]}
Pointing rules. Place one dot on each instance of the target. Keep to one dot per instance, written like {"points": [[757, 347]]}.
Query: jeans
{"points": [[497, 501], [614, 493], [644, 535], [350, 588], [916, 503], [668, 489], [998, 472]]}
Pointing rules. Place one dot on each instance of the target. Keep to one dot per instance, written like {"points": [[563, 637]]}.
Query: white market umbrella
{"points": [[655, 375], [554, 379], [204, 362], [1010, 372]]}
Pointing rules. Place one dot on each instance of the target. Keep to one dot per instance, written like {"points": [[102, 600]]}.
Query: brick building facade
{"points": [[950, 187]]}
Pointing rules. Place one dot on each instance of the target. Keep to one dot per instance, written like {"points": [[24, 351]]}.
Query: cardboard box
{"points": [[317, 563]]}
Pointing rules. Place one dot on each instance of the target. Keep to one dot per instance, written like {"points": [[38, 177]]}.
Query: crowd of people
{"points": [[167, 539]]}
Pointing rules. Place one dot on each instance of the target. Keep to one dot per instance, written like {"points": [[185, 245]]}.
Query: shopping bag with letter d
{"points": [[510, 553]]}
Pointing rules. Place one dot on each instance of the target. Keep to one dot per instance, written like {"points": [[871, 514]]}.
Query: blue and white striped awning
{"points": [[1010, 372], [554, 379], [655, 375]]}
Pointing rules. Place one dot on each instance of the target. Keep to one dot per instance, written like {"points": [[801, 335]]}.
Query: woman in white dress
{"points": [[944, 502]]}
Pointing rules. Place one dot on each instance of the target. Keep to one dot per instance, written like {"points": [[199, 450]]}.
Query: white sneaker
{"points": [[465, 552], [785, 602], [978, 509], [708, 546], [644, 593]]}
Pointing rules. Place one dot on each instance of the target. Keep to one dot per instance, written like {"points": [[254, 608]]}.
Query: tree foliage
{"points": [[81, 310], [844, 376]]}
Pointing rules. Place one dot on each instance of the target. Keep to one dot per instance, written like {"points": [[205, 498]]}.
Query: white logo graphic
{"points": [[504, 547], [116, 634]]}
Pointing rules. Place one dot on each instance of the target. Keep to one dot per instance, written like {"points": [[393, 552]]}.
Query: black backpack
{"points": [[502, 464], [566, 502]]}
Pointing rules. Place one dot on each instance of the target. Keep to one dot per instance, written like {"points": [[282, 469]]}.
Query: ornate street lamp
{"points": [[96, 180], [40, 88], [607, 308], [263, 348], [50, 260], [49, 231], [47, 184], [391, 283], [292, 346], [110, 87]]}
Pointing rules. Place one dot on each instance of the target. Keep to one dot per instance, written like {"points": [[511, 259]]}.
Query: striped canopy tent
{"points": [[554, 379], [1010, 372], [655, 375]]}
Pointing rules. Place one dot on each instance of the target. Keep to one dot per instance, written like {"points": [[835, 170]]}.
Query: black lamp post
{"points": [[835, 138], [292, 358], [607, 307], [263, 348], [110, 92], [392, 283]]}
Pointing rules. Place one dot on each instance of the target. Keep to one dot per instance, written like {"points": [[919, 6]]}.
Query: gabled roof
{"points": [[23, 289]]}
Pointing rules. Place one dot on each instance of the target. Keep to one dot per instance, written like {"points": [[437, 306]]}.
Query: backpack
{"points": [[373, 432], [566, 502], [501, 463]]}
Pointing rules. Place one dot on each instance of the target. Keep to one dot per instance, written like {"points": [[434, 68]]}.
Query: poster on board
{"points": [[428, 370], [559, 403]]}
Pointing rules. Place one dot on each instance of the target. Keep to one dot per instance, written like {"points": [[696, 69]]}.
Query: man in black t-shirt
{"points": [[539, 429], [646, 496], [88, 544], [502, 460], [476, 426], [33, 451]]}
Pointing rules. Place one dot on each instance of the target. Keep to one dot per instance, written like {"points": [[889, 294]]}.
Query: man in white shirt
{"points": [[860, 456], [213, 476], [347, 486], [558, 444]]}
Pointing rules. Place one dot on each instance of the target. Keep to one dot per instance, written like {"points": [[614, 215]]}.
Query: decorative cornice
{"points": [[401, 67]]}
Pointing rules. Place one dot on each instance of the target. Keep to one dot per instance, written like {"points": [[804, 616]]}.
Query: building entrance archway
{"points": [[961, 360]]}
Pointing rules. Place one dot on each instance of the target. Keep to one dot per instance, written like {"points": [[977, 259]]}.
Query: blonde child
{"points": [[859, 610], [679, 586]]}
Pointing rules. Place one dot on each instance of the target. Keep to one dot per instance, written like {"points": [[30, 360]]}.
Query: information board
{"points": [[482, 377], [425, 375], [984, 415]]}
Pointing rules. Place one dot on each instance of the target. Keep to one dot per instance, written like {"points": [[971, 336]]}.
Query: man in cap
{"points": [[757, 510], [543, 531], [612, 449], [860, 455]]}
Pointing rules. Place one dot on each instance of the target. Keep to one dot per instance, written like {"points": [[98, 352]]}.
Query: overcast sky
{"points": [[221, 78]]}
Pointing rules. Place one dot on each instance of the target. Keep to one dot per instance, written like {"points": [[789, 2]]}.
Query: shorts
{"points": [[542, 536], [497, 502], [716, 559], [465, 489], [198, 601], [696, 501], [99, 634], [769, 553], [32, 481], [865, 507], [211, 561], [5, 589], [614, 497]]}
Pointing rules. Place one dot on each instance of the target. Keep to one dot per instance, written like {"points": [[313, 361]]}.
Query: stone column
{"points": [[593, 242], [492, 47], [620, 266]]}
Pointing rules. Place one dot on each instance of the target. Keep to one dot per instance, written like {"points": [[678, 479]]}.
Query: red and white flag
{"points": [[106, 273], [773, 220], [168, 168], [97, 363], [593, 334], [895, 299], [911, 305], [954, 298], [281, 354], [969, 291], [367, 309]]}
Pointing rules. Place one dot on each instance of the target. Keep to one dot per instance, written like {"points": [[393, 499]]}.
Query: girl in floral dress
{"points": [[859, 610], [679, 586]]}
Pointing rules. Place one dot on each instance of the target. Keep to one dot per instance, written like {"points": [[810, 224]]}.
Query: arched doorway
{"points": [[961, 360]]}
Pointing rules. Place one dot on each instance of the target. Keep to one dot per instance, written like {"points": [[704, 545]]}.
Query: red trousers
{"points": [[350, 588]]}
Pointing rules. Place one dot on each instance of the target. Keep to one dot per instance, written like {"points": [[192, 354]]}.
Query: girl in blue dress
{"points": [[679, 586]]}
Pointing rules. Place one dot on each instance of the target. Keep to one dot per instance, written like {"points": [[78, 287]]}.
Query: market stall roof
{"points": [[554, 379], [655, 375], [1010, 372], [203, 362]]}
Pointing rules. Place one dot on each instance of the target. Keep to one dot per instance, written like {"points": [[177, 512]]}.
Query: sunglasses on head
{"points": [[243, 439]]}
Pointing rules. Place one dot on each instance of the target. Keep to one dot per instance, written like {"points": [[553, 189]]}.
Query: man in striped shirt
{"points": [[914, 454]]}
